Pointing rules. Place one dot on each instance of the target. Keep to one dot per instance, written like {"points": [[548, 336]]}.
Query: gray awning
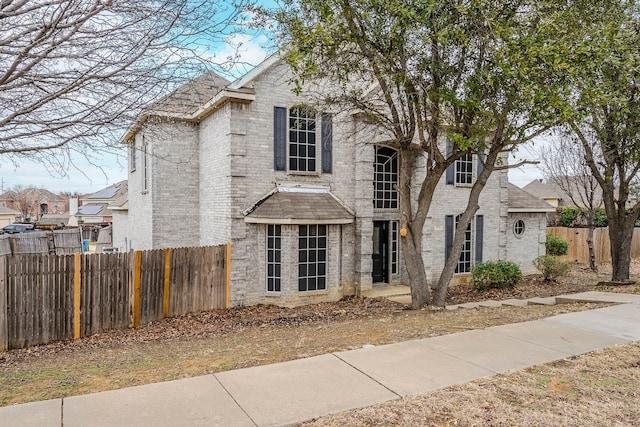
{"points": [[299, 206]]}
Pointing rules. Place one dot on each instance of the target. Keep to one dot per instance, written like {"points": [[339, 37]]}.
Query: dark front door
{"points": [[380, 251]]}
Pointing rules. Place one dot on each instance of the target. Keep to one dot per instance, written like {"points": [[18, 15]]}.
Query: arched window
{"points": [[385, 177]]}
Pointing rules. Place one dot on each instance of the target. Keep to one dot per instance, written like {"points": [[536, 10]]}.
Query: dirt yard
{"points": [[229, 339]]}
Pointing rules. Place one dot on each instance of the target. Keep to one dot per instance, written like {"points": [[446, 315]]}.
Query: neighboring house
{"points": [[526, 227], [93, 208], [7, 216], [553, 194], [54, 221], [306, 198], [32, 203]]}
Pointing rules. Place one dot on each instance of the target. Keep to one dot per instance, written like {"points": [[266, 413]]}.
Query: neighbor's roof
{"points": [[7, 211], [522, 201], [295, 205], [111, 192], [90, 209], [543, 190]]}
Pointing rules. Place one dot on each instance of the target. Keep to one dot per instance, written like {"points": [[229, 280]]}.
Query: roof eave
{"points": [[530, 210], [298, 221], [222, 97]]}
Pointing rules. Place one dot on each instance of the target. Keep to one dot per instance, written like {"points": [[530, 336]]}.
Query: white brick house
{"points": [[305, 197]]}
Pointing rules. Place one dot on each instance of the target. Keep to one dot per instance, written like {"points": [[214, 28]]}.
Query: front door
{"points": [[380, 251]]}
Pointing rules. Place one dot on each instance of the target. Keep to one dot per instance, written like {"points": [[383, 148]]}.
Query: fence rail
{"points": [[46, 298], [578, 249]]}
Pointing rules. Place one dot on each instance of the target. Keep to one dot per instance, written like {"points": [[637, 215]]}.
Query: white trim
{"points": [[297, 221], [255, 72], [530, 210]]}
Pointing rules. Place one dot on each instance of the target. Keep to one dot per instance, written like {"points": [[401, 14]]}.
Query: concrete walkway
{"points": [[290, 392]]}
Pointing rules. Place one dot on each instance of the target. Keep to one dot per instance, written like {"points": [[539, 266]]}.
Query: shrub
{"points": [[495, 274], [556, 246], [600, 218], [551, 267], [569, 215]]}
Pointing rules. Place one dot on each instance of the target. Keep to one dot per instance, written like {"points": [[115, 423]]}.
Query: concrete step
{"points": [[515, 302], [542, 301]]}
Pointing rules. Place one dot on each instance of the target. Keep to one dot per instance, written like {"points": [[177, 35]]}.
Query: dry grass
{"points": [[597, 389]]}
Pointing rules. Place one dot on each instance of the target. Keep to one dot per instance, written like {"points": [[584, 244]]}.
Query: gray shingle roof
{"points": [[192, 95], [522, 201], [300, 206]]}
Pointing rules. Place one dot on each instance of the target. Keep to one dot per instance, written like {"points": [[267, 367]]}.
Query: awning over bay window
{"points": [[296, 205]]}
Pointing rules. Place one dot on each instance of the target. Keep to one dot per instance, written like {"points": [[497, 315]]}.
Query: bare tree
{"points": [[75, 73], [563, 164], [26, 200]]}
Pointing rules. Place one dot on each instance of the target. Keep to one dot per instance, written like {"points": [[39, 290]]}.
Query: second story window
{"points": [[464, 169], [302, 140], [385, 177], [132, 155]]}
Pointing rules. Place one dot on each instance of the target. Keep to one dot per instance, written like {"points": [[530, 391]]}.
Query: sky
{"points": [[87, 178]]}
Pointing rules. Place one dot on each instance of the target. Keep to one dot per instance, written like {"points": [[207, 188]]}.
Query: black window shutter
{"points": [[479, 237], [450, 174], [448, 236], [279, 138], [480, 161], [327, 142]]}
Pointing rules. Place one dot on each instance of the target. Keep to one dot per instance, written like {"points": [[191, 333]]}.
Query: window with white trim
{"points": [[132, 155], [518, 228], [464, 263], [312, 258], [385, 195], [145, 166], [464, 169], [274, 258], [302, 140], [395, 225]]}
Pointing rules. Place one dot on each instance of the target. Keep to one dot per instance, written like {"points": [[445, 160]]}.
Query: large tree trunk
{"points": [[620, 237], [412, 224], [415, 269]]}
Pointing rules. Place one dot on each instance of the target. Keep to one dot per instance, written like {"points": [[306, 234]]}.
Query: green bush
{"points": [[600, 218], [556, 246], [495, 274], [568, 215], [551, 267]]}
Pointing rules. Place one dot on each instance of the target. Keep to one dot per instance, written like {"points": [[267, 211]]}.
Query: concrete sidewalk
{"points": [[290, 392]]}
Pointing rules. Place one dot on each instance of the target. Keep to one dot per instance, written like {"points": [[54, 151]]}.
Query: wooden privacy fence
{"points": [[60, 242], [578, 249], [45, 298]]}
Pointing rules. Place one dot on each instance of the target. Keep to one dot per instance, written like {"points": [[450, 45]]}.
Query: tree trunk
{"points": [[592, 251], [415, 269], [620, 244]]}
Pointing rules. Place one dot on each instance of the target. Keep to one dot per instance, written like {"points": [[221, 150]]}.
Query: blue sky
{"points": [[88, 178]]}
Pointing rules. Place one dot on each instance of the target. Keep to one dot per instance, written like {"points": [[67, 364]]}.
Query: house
{"points": [[32, 203], [7, 216], [93, 208], [306, 197]]}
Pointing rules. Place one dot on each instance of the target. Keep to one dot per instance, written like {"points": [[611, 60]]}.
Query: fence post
{"points": [[76, 296], [167, 273], [136, 288], [4, 315], [228, 266]]}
